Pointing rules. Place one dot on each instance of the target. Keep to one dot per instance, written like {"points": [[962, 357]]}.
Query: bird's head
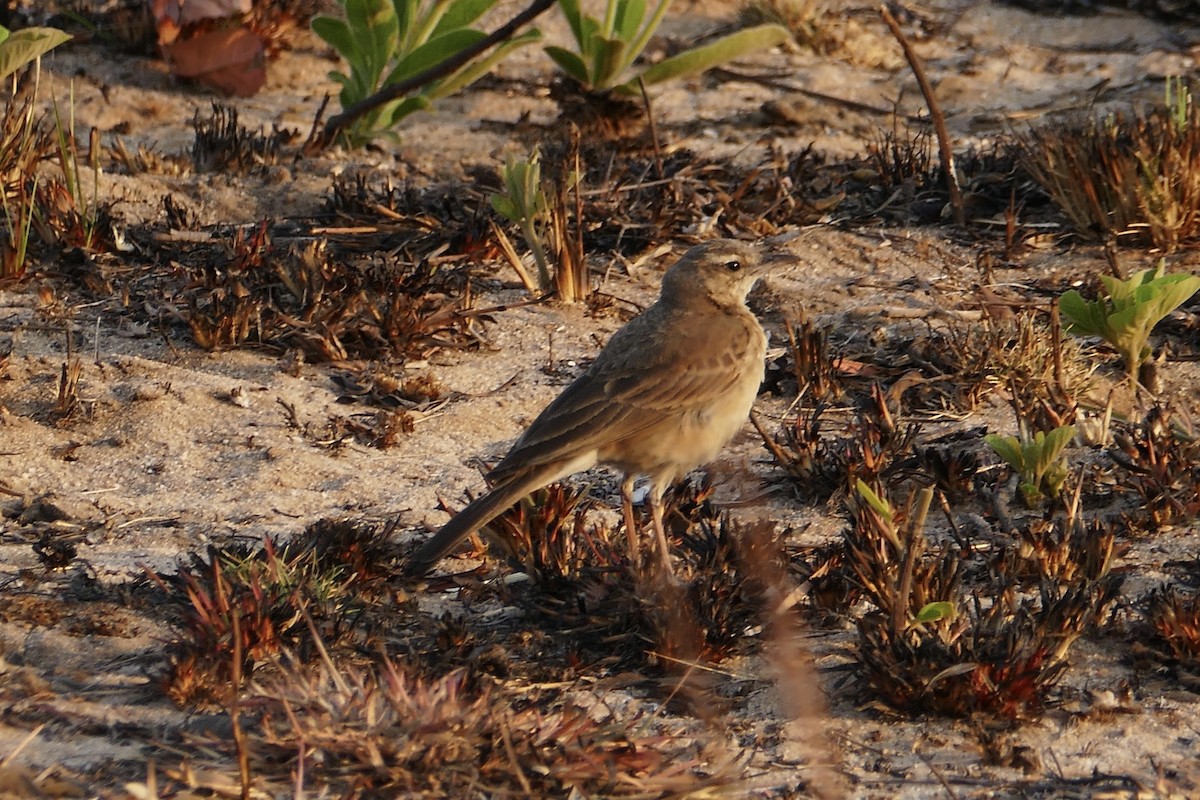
{"points": [[721, 271]]}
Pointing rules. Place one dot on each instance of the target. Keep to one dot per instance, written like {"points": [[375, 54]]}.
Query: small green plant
{"points": [[1129, 313], [388, 41], [606, 49], [937, 611], [523, 201], [1037, 460], [68, 216]]}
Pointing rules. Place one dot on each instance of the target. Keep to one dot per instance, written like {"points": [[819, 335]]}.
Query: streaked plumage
{"points": [[669, 390]]}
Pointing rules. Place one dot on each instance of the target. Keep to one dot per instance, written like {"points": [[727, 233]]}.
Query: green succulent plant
{"points": [[606, 49], [387, 41]]}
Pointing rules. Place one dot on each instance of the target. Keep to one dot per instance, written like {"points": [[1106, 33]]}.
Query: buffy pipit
{"points": [[669, 390]]}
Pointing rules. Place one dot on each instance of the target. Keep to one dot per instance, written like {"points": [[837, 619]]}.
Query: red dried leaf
{"points": [[231, 60]]}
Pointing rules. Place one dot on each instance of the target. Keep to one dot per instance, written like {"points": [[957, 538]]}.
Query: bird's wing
{"points": [[644, 377]]}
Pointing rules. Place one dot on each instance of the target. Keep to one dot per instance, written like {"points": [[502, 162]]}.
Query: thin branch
{"points": [[658, 160], [935, 111], [394, 91]]}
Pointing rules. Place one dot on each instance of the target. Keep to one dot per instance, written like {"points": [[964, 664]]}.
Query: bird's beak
{"points": [[775, 260]]}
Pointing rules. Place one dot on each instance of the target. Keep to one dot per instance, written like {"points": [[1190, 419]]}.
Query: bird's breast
{"points": [[695, 435]]}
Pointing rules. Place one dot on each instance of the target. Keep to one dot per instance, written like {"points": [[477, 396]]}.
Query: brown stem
{"points": [[239, 735], [935, 111], [402, 88], [913, 550], [658, 161]]}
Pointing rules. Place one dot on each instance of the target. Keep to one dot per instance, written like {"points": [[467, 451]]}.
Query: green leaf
{"points": [[1054, 478], [1009, 449], [876, 502], [336, 33], [409, 105], [570, 63], [1133, 307], [710, 55], [505, 207], [1048, 448], [1031, 495], [406, 13], [461, 14], [1082, 316], [608, 61], [26, 46], [637, 45], [628, 18], [375, 28], [570, 9], [433, 52], [933, 612], [476, 69]]}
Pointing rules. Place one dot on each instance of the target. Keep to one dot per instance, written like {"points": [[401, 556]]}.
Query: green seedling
{"points": [[1129, 313], [523, 201], [1178, 102], [883, 508], [387, 41], [934, 612], [607, 48], [83, 213], [1038, 461]]}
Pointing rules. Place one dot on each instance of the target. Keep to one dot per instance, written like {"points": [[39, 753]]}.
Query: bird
{"points": [[664, 396]]}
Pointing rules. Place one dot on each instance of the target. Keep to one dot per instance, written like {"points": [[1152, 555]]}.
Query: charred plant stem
{"points": [[935, 111], [397, 90], [769, 441], [1056, 338]]}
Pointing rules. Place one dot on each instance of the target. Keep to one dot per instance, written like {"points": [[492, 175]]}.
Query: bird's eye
{"points": [[733, 266]]}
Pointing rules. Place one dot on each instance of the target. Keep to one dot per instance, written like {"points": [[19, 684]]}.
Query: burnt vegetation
{"points": [[950, 599]]}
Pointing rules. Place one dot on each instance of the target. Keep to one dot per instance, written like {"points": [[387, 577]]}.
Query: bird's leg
{"points": [[635, 558], [656, 515]]}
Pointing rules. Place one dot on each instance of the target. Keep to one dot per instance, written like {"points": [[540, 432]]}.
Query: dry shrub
{"points": [[1133, 175], [382, 732], [221, 144], [962, 363], [725, 574], [928, 645], [818, 26], [586, 591], [376, 386], [1061, 551], [809, 363], [1162, 458], [820, 467], [330, 309], [260, 602], [549, 536], [1175, 615]]}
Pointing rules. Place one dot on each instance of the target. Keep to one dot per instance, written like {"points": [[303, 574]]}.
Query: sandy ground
{"points": [[175, 447]]}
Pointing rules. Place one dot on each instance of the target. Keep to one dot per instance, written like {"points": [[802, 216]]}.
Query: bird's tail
{"points": [[479, 512]]}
